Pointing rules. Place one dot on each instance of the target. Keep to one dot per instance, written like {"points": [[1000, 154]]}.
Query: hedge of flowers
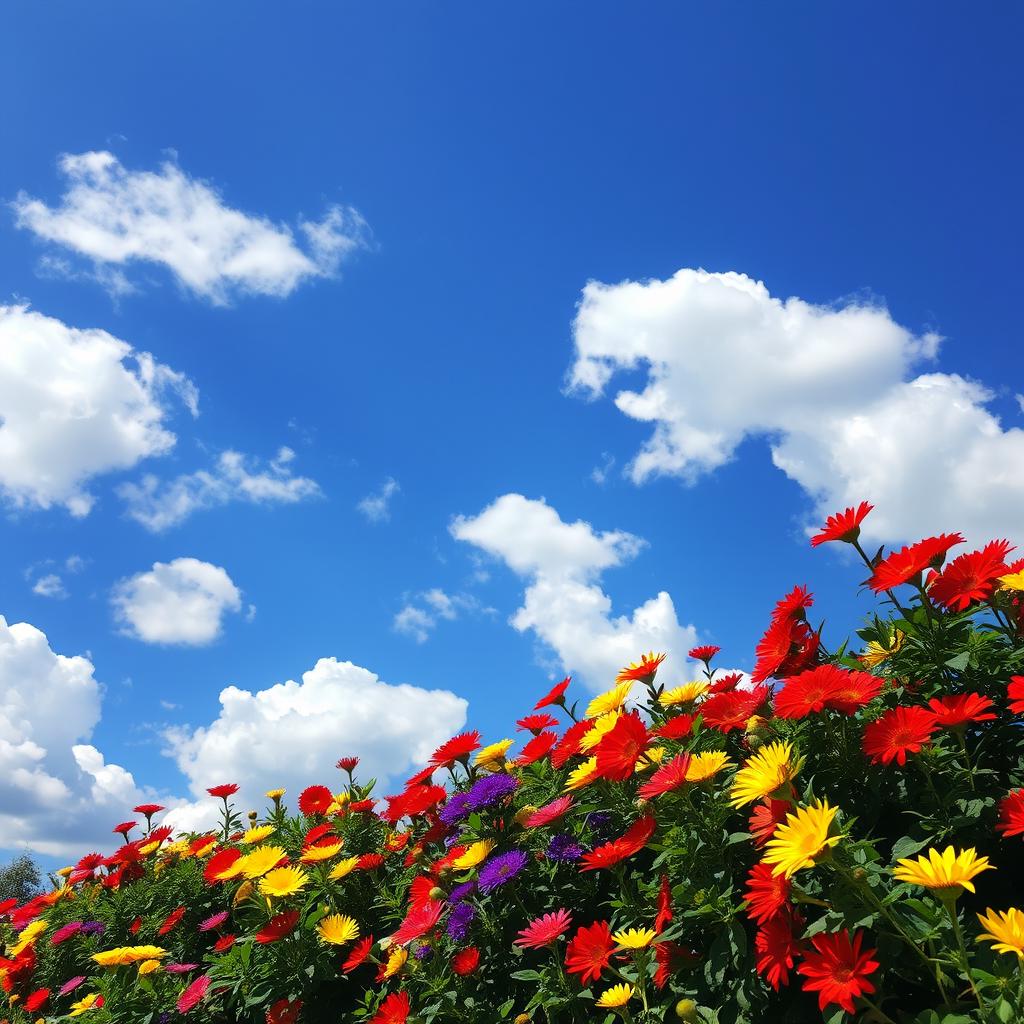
{"points": [[837, 836]]}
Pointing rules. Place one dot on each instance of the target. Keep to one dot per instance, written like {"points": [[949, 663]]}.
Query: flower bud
{"points": [[523, 1018], [686, 1009], [437, 893]]}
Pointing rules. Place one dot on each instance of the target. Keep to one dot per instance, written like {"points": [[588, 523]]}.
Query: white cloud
{"points": [[50, 585], [159, 505], [292, 733], [114, 216], [377, 507], [180, 602], [1020, 402], [75, 404], [563, 604], [831, 388], [419, 617]]}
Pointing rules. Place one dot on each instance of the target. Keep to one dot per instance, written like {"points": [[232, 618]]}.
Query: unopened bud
{"points": [[686, 1009], [437, 893]]}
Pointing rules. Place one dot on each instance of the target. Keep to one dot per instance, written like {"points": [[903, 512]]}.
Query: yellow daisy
{"points": [[610, 700], [705, 766], [245, 890], [148, 848], [875, 653], [28, 935], [128, 955], [275, 794], [616, 997], [651, 758], [149, 966], [771, 767], [83, 1004], [315, 854], [685, 694], [338, 804], [805, 835], [257, 834], [283, 882], [597, 732], [476, 854], [337, 929], [1004, 929], [396, 961], [260, 861], [493, 755], [583, 775], [635, 938], [342, 868], [1013, 581], [946, 870]]}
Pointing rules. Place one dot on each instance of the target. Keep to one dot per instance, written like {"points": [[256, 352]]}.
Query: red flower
{"points": [[589, 951], [676, 728], [424, 775], [669, 956], [556, 695], [394, 1009], [971, 577], [732, 710], [466, 961], [668, 777], [826, 686], [458, 748], [903, 565], [664, 915], [644, 671], [961, 708], [767, 894], [776, 646], [125, 827], [171, 920], [620, 749], [135, 926], [902, 731], [844, 526], [222, 792], [838, 969], [540, 746], [278, 927], [569, 744], [542, 931], [705, 653], [224, 943], [316, 833], [536, 723], [193, 995], [315, 800], [219, 863], [284, 1011], [766, 818], [1011, 814], [793, 605], [360, 951], [418, 921], [1015, 691], [777, 947], [360, 806], [37, 1000], [549, 812], [636, 837], [160, 834], [727, 682], [369, 862], [414, 801], [346, 764], [148, 810]]}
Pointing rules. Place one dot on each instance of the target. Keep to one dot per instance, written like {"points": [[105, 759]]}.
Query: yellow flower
{"points": [[86, 1003], [338, 804], [338, 929], [771, 767], [64, 872], [28, 935], [635, 938], [651, 757], [705, 766], [245, 890], [597, 732], [275, 794], [615, 997], [476, 854], [875, 653], [610, 700], [283, 881], [946, 870], [149, 966], [1013, 581], [685, 694], [260, 861], [179, 848], [581, 776], [128, 955], [342, 868], [258, 834], [396, 961], [803, 836], [489, 757], [315, 854], [149, 848], [1004, 929]]}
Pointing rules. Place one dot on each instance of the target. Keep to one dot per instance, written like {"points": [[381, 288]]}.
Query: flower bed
{"points": [[838, 836]]}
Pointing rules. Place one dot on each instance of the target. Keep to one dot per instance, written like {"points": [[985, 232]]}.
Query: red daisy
{"points": [[676, 728], [171, 920], [224, 943], [315, 800], [135, 926], [1011, 814], [360, 951], [536, 723], [316, 833], [466, 961], [542, 931], [347, 764], [158, 835], [664, 916], [540, 746], [193, 995], [704, 653], [902, 731], [219, 863], [125, 827], [767, 894], [201, 843], [669, 956], [727, 682], [644, 671], [394, 1009], [732, 710], [903, 565], [37, 1000], [631, 842], [418, 921], [766, 818], [278, 927], [775, 647], [284, 1011], [423, 775], [549, 812], [569, 744], [777, 947], [458, 748], [222, 792], [669, 776], [369, 862], [844, 526], [620, 749], [556, 695], [793, 605], [826, 686], [959, 709], [589, 951], [972, 577], [838, 969], [1015, 691], [148, 810]]}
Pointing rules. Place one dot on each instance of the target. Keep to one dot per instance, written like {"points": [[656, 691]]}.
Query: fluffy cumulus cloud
{"points": [[564, 604], [113, 217], [75, 404], [833, 389], [159, 505], [292, 733], [180, 602]]}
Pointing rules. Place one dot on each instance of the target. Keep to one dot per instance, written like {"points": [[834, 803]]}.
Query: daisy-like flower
{"points": [[394, 1009], [616, 997], [844, 526], [337, 929], [502, 869], [395, 962], [274, 794], [556, 695], [776, 948], [315, 800], [1015, 692], [283, 882], [1004, 929], [359, 954], [619, 751], [1011, 815], [599, 728], [703, 653], [642, 671], [970, 578], [321, 850], [570, 743], [544, 930], [343, 867], [193, 995], [222, 792], [257, 834], [493, 755], [804, 836], [466, 961], [958, 709], [875, 653], [259, 861], [214, 921], [767, 893], [610, 700], [1012, 581], [734, 708], [129, 955], [771, 768], [536, 723], [706, 765], [171, 920], [589, 951], [634, 938], [89, 1002], [475, 854], [458, 748], [826, 686], [902, 566], [490, 790], [583, 775], [945, 873], [668, 777], [838, 969], [549, 812], [676, 728], [766, 817], [418, 921], [897, 733], [539, 747], [685, 694], [630, 843], [278, 927]]}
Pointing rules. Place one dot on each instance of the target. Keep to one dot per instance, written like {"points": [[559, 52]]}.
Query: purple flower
{"points": [[564, 847], [455, 810], [489, 790], [461, 892], [501, 869], [424, 952], [598, 822], [459, 920], [93, 928]]}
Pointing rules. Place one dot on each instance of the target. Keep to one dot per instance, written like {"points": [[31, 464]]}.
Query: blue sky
{"points": [[865, 163]]}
